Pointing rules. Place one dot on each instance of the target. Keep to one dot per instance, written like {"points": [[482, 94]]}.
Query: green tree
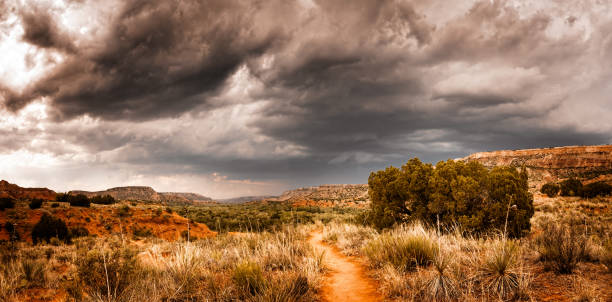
{"points": [[49, 227], [453, 193], [571, 187], [550, 189]]}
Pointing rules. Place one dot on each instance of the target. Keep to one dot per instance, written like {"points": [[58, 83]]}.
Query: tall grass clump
{"points": [[248, 276], [561, 247], [406, 248], [498, 269], [441, 284]]}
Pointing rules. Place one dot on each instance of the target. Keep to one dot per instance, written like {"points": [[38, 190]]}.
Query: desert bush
{"points": [[79, 200], [561, 246], [405, 248], [453, 193], [50, 227], [248, 276], [35, 203], [142, 232], [55, 205], [106, 199], [550, 189], [571, 187], [78, 232], [6, 203], [124, 211], [10, 279], [107, 272], [596, 189]]}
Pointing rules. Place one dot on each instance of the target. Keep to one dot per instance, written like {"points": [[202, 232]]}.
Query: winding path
{"points": [[347, 280]]}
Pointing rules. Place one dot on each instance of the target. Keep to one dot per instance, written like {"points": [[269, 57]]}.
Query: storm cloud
{"points": [[291, 93]]}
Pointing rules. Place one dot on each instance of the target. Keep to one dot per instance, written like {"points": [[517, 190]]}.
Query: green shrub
{"points": [[248, 276], [596, 189], [79, 200], [50, 227], [403, 252], [142, 232], [78, 232], [561, 247], [550, 189], [62, 197], [106, 199], [571, 187], [6, 203], [35, 203], [124, 211], [454, 193]]}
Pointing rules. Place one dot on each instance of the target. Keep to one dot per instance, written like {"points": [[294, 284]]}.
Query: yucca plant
{"points": [[498, 271], [441, 286]]}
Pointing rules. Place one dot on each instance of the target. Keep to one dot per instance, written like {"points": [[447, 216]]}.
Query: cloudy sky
{"points": [[230, 98]]}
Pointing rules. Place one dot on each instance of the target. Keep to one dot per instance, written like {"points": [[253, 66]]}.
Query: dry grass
{"points": [[250, 266]]}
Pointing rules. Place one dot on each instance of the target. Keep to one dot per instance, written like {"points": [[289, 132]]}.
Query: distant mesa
{"points": [[16, 192], [587, 163], [143, 193]]}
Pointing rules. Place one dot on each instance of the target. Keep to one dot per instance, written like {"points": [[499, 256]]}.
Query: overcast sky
{"points": [[229, 98]]}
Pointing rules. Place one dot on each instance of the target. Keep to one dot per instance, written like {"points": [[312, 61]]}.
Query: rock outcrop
{"points": [[143, 193], [16, 192], [328, 195], [588, 163]]}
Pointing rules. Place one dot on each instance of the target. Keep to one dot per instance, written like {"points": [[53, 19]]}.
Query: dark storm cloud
{"points": [[345, 87], [41, 30], [159, 58]]}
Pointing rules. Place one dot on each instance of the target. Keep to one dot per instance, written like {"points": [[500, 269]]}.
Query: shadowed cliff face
{"points": [[588, 163], [14, 191]]}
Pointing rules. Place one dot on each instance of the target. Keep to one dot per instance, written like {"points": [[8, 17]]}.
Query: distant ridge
{"points": [[8, 189], [144, 193], [245, 199]]}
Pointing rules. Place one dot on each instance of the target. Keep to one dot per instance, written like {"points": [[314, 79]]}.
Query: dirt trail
{"points": [[347, 280]]}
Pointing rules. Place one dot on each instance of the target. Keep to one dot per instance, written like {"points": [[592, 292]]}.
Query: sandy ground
{"points": [[347, 280]]}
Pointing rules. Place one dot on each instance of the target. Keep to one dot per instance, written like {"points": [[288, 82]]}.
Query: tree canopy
{"points": [[456, 193]]}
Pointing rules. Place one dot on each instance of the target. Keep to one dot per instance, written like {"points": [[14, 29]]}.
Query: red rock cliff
{"points": [[589, 163]]}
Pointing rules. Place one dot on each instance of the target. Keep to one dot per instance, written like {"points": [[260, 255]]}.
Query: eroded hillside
{"points": [[328, 195], [16, 192], [588, 163]]}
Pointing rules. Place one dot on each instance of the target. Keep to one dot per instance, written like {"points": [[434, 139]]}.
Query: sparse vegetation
{"points": [[561, 247], [6, 203], [35, 203], [550, 189]]}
